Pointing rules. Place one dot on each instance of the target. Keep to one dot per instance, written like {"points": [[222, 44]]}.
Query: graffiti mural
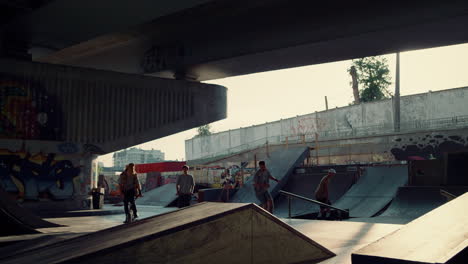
{"points": [[427, 147], [26, 112], [34, 176]]}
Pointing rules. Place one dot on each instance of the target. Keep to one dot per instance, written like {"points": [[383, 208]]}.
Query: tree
{"points": [[374, 76], [204, 131], [354, 84]]}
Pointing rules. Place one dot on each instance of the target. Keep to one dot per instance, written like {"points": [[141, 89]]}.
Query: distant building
{"points": [[137, 156]]}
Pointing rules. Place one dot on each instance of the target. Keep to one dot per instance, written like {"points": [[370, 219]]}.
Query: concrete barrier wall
{"points": [[432, 110]]}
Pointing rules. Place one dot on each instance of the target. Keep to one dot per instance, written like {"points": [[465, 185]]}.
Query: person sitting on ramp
{"points": [[321, 193], [261, 184], [130, 188]]}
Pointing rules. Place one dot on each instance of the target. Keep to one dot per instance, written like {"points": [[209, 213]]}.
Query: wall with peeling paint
{"points": [[430, 111]]}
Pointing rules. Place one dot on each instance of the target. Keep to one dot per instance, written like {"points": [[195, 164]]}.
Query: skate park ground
{"points": [[341, 237], [375, 216]]}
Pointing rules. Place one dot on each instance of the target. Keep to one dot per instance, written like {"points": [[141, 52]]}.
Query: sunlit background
{"points": [[269, 96]]}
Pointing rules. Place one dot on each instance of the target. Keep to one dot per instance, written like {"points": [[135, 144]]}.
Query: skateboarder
{"points": [[130, 188], [321, 193], [184, 185], [261, 184]]}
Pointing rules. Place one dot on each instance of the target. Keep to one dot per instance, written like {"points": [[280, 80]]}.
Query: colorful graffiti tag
{"points": [[34, 176], [27, 113]]}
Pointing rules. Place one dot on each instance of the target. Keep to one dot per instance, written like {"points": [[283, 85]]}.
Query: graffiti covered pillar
{"points": [[55, 119], [33, 171]]}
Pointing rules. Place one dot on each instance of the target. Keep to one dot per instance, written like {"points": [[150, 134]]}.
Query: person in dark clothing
{"points": [[321, 193], [130, 188]]}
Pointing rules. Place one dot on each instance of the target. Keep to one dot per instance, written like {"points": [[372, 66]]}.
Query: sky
{"points": [[269, 96]]}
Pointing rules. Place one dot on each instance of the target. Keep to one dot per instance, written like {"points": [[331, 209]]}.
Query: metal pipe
{"points": [[312, 201]]}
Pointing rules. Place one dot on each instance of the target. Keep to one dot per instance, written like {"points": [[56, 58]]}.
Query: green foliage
{"points": [[204, 131], [374, 78]]}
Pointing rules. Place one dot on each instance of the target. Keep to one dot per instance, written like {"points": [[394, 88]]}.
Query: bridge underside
{"points": [[105, 109], [205, 40]]}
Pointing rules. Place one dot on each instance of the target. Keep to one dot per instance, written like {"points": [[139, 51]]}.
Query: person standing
{"points": [[262, 184], [321, 193], [184, 186], [130, 188], [227, 185]]}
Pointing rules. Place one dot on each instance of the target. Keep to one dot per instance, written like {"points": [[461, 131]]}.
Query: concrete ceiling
{"points": [[209, 39]]}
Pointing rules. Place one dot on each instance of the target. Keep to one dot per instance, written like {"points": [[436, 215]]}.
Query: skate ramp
{"points": [[26, 245], [281, 164], [16, 220], [161, 196], [412, 202], [374, 190], [305, 185], [440, 236], [203, 233]]}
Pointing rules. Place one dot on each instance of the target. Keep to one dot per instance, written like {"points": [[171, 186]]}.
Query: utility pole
{"points": [[396, 116], [326, 103]]}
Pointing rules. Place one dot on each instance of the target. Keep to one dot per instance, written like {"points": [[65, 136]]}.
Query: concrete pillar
{"points": [[396, 117]]}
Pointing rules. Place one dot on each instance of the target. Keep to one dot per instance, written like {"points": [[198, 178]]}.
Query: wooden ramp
{"points": [[440, 236], [203, 233]]}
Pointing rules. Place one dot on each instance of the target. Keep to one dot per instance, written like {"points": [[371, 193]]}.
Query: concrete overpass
{"points": [[206, 39]]}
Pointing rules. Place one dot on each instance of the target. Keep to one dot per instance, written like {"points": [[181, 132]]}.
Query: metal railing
{"points": [[344, 213]]}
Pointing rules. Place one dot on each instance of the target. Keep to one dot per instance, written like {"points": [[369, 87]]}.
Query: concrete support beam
{"points": [[107, 110]]}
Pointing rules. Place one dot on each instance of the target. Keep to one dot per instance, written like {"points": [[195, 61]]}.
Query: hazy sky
{"points": [[269, 96]]}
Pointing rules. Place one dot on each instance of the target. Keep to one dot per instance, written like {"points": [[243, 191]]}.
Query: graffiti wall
{"points": [[46, 170], [35, 163], [429, 146], [214, 174], [391, 148], [27, 112]]}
